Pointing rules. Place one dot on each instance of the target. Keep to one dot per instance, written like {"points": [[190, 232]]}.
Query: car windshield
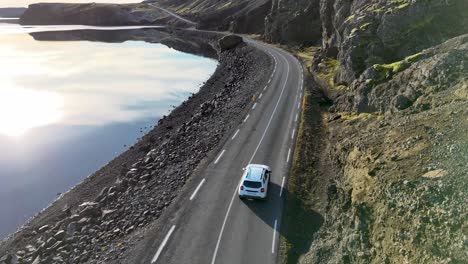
{"points": [[252, 184]]}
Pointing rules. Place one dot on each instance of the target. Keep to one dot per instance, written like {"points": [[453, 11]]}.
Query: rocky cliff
{"points": [[385, 164]]}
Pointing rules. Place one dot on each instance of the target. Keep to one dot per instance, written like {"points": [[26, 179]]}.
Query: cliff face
{"points": [[389, 176], [395, 180], [240, 16], [364, 33], [293, 22]]}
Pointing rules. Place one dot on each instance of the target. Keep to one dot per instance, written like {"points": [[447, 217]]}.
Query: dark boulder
{"points": [[230, 42]]}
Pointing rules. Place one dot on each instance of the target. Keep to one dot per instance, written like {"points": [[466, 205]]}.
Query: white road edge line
{"points": [[295, 119], [289, 155], [161, 247], [292, 134], [247, 117], [197, 189], [255, 105], [298, 105], [260, 96], [215, 253], [282, 187], [235, 134], [220, 155], [274, 237]]}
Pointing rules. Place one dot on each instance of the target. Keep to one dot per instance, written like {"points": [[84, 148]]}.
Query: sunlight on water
{"points": [[88, 83], [23, 109], [69, 107]]}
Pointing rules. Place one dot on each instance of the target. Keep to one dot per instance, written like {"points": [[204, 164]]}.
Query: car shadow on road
{"points": [[299, 222]]}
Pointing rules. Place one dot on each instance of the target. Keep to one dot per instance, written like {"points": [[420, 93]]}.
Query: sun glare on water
{"points": [[22, 109]]}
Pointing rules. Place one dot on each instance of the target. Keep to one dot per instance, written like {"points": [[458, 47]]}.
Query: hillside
{"points": [[12, 11]]}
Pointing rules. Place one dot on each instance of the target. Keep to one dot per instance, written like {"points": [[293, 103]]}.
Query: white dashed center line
{"points": [[220, 155], [247, 117], [289, 154], [235, 134], [255, 105], [161, 247], [197, 189]]}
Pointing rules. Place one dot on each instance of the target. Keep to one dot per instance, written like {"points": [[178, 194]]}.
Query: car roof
{"points": [[259, 165], [254, 173]]}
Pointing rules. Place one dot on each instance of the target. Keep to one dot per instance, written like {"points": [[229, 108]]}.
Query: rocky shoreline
{"points": [[92, 222]]}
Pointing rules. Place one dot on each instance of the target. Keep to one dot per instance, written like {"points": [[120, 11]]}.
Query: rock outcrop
{"points": [[293, 22], [362, 33], [397, 86], [230, 42]]}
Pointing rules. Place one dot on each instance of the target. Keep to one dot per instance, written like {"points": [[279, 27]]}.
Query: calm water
{"points": [[69, 107]]}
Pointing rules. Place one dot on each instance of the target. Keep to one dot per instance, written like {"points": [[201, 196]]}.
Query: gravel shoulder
{"points": [[95, 221]]}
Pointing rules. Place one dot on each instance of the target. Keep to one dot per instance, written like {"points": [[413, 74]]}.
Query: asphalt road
{"points": [[211, 224]]}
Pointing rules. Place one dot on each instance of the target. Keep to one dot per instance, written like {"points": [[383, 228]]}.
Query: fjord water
{"points": [[69, 107]]}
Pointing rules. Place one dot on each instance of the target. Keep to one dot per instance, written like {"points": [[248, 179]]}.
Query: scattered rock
{"points": [[435, 174], [43, 229]]}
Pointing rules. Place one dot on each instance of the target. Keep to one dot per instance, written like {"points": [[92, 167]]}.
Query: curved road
{"points": [[211, 224]]}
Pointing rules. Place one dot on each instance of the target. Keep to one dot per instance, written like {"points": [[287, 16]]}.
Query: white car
{"points": [[254, 182]]}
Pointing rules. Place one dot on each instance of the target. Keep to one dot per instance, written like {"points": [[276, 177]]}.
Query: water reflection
{"points": [[22, 109], [68, 107]]}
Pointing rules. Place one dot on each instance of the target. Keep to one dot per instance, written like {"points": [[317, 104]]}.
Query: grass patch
{"points": [[328, 70], [227, 4], [349, 18], [351, 116], [413, 58], [386, 71], [364, 26], [307, 55], [402, 6]]}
